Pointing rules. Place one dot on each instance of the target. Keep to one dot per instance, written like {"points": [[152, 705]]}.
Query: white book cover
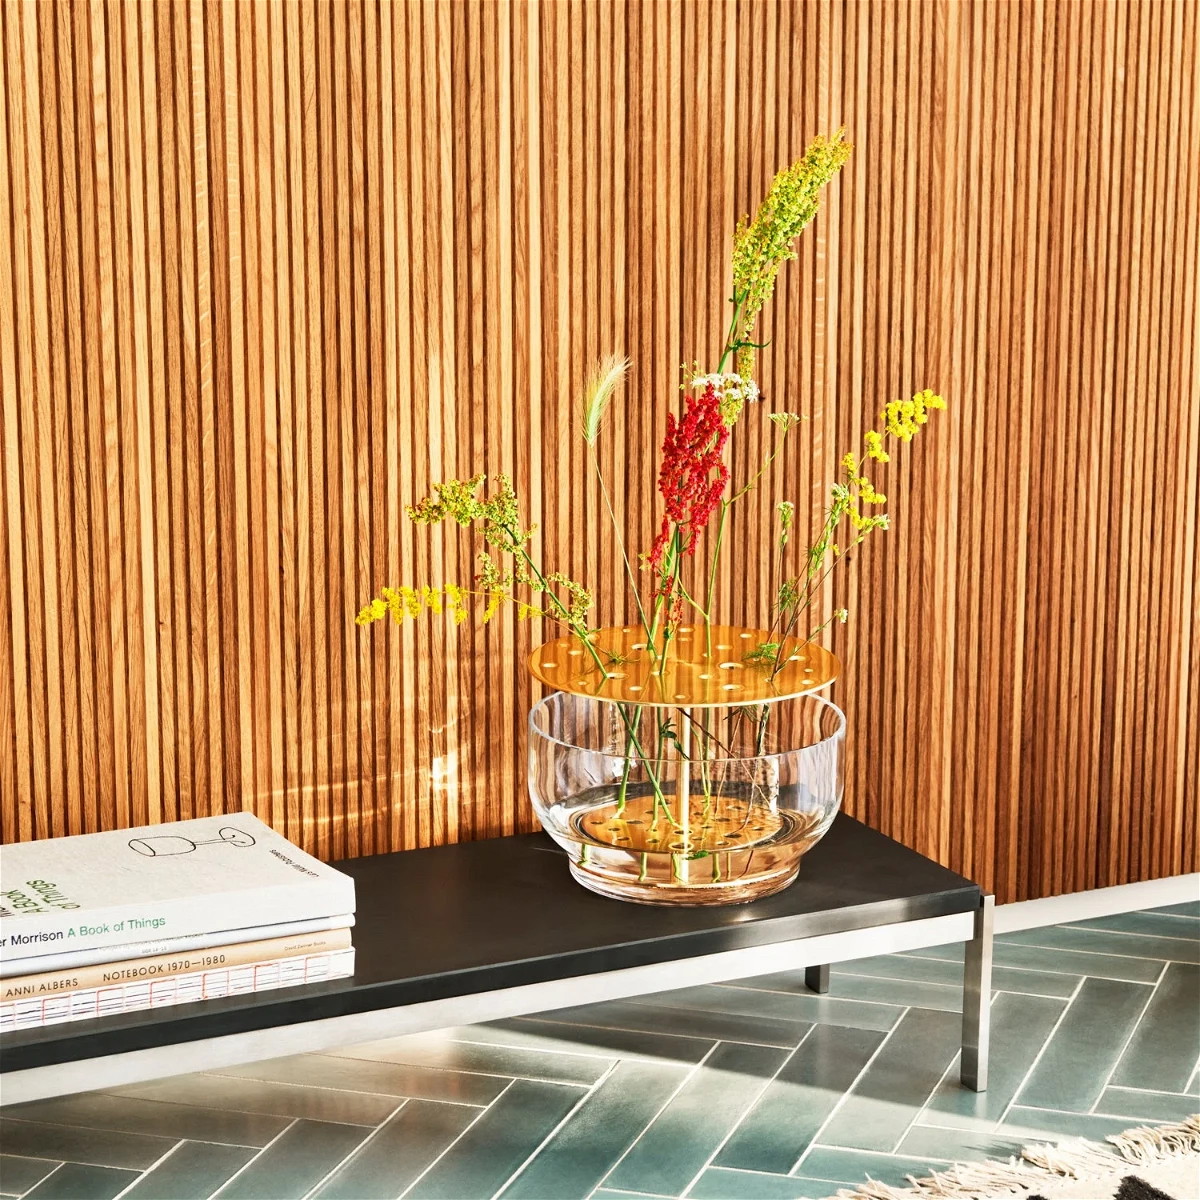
{"points": [[157, 882]]}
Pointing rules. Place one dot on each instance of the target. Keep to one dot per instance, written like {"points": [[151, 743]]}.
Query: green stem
{"points": [[731, 338], [694, 603], [761, 470], [712, 575], [630, 734], [633, 587], [583, 635]]}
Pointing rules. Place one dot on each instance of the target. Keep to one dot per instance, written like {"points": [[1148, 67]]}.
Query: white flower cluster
{"points": [[731, 387]]}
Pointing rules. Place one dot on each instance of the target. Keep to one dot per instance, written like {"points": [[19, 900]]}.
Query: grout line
{"points": [[1186, 1095], [687, 1078], [633, 1192], [1155, 958], [833, 1112], [54, 1164], [996, 991], [690, 1037], [1168, 937], [773, 1175], [340, 1091], [84, 1162], [1076, 975], [972, 1129], [898, 979], [787, 1058], [231, 1107], [590, 1052], [450, 1146], [741, 987], [1037, 1058], [418, 1067], [1061, 950], [1063, 1112], [156, 1163], [591, 1091], [86, 1123], [1134, 1116], [361, 1145], [1125, 1045], [593, 1052], [255, 1157], [918, 1158], [957, 988], [53, 1171], [620, 1029], [955, 1058]]}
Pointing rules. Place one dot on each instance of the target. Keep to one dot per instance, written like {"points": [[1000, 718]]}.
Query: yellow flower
{"points": [[875, 450]]}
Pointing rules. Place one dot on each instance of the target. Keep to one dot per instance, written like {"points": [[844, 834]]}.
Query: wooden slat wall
{"points": [[268, 270]]}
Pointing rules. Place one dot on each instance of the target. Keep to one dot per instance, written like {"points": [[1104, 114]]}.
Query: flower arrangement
{"points": [[664, 759]]}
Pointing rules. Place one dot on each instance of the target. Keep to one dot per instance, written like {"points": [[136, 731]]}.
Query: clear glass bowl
{"points": [[710, 805]]}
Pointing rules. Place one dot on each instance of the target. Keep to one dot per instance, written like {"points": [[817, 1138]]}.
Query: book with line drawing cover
{"points": [[159, 881]]}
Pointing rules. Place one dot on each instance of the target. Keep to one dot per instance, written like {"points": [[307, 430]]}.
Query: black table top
{"points": [[480, 916]]}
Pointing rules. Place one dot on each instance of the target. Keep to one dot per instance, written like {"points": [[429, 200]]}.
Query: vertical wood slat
{"points": [[268, 271]]}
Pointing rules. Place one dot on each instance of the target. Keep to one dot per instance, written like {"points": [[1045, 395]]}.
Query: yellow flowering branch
{"points": [[460, 501], [762, 246], [902, 420], [408, 603]]}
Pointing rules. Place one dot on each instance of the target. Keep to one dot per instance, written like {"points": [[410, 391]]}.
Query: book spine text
{"points": [[162, 966], [183, 916], [84, 1003], [69, 959]]}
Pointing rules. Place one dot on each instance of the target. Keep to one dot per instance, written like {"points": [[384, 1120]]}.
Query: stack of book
{"points": [[114, 922]]}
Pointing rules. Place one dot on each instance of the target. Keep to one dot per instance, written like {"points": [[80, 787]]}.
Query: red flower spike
{"points": [[692, 476]]}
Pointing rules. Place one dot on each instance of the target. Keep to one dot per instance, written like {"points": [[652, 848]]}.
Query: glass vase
{"points": [[712, 805]]}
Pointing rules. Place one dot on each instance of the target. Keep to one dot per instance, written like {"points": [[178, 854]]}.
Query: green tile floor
{"points": [[727, 1092]]}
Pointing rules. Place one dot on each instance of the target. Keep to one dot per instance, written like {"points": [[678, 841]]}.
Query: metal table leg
{"points": [[816, 979], [977, 995]]}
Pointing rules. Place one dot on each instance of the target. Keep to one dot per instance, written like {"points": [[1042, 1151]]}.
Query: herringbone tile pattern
{"points": [[730, 1092]]}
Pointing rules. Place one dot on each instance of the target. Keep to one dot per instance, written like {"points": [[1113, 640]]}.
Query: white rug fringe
{"points": [[1072, 1158]]}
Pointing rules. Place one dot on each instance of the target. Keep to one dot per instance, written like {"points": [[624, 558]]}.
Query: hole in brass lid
{"points": [[731, 666], [549, 666], [732, 687]]}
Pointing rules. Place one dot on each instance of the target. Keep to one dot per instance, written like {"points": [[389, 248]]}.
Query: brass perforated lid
{"points": [[704, 669]]}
